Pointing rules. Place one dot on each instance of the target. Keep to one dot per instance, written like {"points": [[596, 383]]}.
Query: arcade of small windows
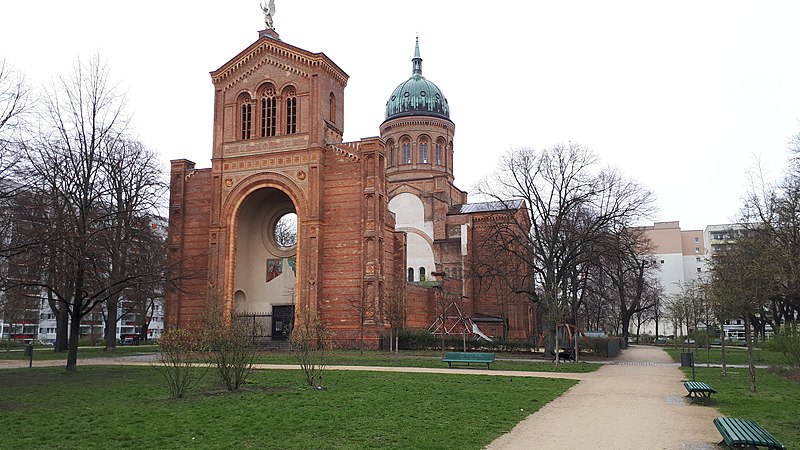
{"points": [[412, 273], [267, 112], [406, 153]]}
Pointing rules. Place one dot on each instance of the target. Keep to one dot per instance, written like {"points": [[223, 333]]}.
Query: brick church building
{"points": [[289, 218]]}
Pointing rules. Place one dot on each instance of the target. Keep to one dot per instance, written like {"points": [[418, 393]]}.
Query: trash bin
{"points": [[687, 359]]}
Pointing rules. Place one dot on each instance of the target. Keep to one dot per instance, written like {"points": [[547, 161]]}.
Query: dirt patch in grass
{"points": [[792, 374]]}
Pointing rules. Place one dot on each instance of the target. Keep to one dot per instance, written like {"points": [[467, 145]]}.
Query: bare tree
{"points": [[14, 108], [394, 313], [134, 185], [572, 205], [742, 281], [365, 310], [83, 121]]}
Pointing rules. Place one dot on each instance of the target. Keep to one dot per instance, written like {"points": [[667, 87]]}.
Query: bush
{"points": [[424, 340], [787, 341], [232, 352], [175, 360], [310, 340]]}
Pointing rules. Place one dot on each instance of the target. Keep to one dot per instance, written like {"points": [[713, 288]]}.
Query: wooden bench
{"points": [[745, 433], [698, 389], [468, 357]]}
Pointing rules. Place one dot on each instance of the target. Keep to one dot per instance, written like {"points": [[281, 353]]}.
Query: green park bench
{"points": [[745, 433], [468, 357], [698, 389]]}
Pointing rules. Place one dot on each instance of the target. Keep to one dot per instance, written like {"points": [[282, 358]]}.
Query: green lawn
{"points": [[433, 358], [47, 353], [776, 405], [128, 407], [523, 362], [734, 356]]}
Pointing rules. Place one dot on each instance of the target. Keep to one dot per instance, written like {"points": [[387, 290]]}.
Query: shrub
{"points": [[177, 348], [232, 351], [309, 343], [787, 341]]}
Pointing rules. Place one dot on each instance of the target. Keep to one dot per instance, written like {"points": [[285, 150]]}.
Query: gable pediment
{"points": [[269, 51]]}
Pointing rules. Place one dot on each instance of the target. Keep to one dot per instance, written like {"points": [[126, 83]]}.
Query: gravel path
{"points": [[637, 403]]}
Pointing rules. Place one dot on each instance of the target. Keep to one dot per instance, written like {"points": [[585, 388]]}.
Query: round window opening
{"points": [[285, 231]]}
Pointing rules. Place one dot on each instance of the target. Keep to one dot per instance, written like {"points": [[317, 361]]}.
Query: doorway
{"points": [[282, 322]]}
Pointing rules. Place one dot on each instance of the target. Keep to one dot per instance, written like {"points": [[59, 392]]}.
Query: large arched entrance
{"points": [[265, 267]]}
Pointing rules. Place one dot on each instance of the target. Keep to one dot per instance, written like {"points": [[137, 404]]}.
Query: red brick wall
{"points": [[190, 203]]}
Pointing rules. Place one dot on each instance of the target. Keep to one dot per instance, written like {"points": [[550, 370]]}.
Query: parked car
{"points": [[660, 341], [129, 340]]}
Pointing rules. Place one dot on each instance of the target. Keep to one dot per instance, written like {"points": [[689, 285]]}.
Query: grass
{"points": [[734, 356], [47, 353], [430, 359], [116, 407], [776, 405]]}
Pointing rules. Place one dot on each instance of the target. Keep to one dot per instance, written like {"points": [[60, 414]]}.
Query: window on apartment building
{"points": [[696, 240], [410, 274], [697, 249], [662, 261], [697, 259], [699, 270]]}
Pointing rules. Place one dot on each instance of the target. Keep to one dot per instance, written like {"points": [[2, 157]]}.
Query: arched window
{"points": [[291, 113], [332, 107], [410, 274], [269, 113], [423, 151], [439, 155], [421, 274], [390, 151], [247, 117], [406, 152]]}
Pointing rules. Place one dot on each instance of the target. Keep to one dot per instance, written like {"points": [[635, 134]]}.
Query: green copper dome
{"points": [[417, 96]]}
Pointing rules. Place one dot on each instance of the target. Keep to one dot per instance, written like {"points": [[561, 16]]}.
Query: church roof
{"points": [[417, 96], [499, 205]]}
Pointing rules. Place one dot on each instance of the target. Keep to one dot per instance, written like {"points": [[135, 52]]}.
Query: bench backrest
{"points": [[482, 356]]}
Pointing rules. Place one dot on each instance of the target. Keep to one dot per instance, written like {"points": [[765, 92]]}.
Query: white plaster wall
{"points": [[252, 292], [410, 217], [420, 254], [410, 213], [672, 273]]}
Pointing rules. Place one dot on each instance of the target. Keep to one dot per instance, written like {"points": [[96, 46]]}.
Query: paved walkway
{"points": [[637, 403]]}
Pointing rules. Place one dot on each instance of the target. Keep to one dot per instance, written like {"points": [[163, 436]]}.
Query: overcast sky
{"points": [[683, 96]]}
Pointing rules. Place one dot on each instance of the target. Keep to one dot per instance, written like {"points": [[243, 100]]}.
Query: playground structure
{"points": [[453, 322], [567, 334]]}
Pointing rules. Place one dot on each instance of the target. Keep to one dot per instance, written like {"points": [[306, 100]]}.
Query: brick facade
{"points": [[278, 121]]}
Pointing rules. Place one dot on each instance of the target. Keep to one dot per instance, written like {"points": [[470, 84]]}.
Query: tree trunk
{"points": [[555, 339], [748, 336], [111, 324], [62, 332], [74, 336], [723, 351]]}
